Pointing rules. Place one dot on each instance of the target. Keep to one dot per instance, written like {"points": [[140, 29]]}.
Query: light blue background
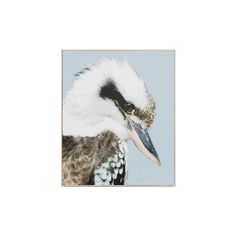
{"points": [[156, 68]]}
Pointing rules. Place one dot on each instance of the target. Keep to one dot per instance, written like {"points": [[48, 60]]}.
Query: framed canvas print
{"points": [[118, 118]]}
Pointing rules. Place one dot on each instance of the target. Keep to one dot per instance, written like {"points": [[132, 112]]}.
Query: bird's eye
{"points": [[129, 107]]}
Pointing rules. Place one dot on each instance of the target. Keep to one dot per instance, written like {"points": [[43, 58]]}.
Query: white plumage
{"points": [[83, 100]]}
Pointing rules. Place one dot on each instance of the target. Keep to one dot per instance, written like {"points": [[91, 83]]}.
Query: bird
{"points": [[107, 104]]}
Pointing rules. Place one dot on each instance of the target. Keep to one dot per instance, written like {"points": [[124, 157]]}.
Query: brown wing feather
{"points": [[81, 155]]}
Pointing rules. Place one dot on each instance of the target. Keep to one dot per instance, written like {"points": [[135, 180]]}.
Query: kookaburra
{"points": [[107, 105]]}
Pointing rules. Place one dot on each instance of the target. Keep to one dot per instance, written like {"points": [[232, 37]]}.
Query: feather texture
{"points": [[88, 160]]}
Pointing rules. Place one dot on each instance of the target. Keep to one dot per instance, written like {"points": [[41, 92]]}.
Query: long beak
{"points": [[142, 140]]}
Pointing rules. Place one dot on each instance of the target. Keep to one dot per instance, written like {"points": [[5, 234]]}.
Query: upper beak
{"points": [[142, 140]]}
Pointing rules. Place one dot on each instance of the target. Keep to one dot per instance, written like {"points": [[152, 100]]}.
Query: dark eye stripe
{"points": [[110, 91]]}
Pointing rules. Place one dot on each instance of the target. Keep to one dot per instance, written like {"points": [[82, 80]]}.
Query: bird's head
{"points": [[110, 96]]}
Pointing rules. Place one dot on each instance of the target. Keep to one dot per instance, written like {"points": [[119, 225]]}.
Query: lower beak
{"points": [[142, 140]]}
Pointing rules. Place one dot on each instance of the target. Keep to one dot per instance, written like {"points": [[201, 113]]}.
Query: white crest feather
{"points": [[85, 113]]}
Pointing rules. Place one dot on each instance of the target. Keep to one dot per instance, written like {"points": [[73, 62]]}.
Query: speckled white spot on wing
{"points": [[115, 171], [121, 155], [115, 159], [105, 165], [103, 173], [118, 164], [121, 171]]}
